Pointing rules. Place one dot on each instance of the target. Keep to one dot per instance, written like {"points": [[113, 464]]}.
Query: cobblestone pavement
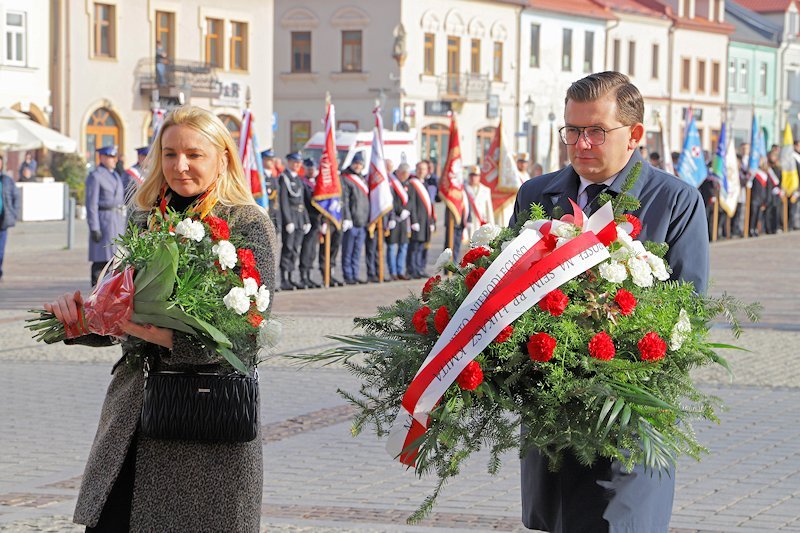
{"points": [[318, 478]]}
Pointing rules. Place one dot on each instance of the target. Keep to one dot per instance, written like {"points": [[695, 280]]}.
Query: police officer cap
{"points": [[308, 162], [143, 150], [358, 158], [294, 156], [269, 152], [110, 150], [523, 156]]}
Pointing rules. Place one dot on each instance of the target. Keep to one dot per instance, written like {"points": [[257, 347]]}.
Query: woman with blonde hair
{"points": [[133, 482]]}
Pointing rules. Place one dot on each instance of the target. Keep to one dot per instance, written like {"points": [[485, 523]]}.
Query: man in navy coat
{"points": [[603, 128], [105, 209]]}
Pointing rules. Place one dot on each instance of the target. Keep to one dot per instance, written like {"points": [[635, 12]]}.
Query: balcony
{"points": [[463, 87], [192, 78]]}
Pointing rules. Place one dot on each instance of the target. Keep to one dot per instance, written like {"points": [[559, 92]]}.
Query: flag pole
{"points": [[715, 223], [746, 228], [327, 277], [379, 236], [785, 214]]}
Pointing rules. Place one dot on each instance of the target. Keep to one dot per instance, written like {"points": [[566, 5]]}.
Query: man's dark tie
{"points": [[592, 192]]}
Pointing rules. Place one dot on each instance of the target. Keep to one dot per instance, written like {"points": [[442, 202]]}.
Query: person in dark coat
{"points": [[355, 217], [709, 190], [604, 496], [759, 187], [9, 209], [271, 182], [420, 207], [398, 225], [309, 250], [105, 209], [294, 218]]}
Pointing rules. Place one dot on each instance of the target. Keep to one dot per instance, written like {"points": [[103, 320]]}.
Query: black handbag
{"points": [[196, 406]]}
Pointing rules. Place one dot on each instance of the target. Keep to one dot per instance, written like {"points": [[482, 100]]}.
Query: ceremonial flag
{"points": [[380, 193], [499, 172], [758, 147], [789, 178], [327, 196], [726, 168], [251, 164], [156, 121], [691, 165], [451, 184], [666, 155]]}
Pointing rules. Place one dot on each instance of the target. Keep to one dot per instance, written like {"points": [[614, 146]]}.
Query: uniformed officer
{"points": [[355, 216], [105, 209], [135, 174], [310, 246], [523, 164], [271, 182], [294, 218]]}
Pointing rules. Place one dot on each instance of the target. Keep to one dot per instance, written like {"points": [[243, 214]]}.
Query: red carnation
{"points": [[541, 347], [474, 276], [255, 319], [429, 285], [554, 303], [471, 376], [441, 318], [626, 301], [504, 334], [602, 347], [652, 347], [219, 228], [473, 255], [246, 257], [251, 272], [636, 225], [420, 320]]}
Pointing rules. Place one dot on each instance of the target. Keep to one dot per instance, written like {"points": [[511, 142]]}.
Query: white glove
{"points": [[415, 226], [433, 228], [392, 224], [290, 228], [306, 228], [346, 225], [323, 229], [404, 214]]}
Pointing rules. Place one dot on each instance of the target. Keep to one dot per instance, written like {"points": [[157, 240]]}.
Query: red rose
{"points": [[541, 347], [652, 347], [441, 318], [636, 225], [420, 320], [554, 303], [429, 285], [255, 319], [219, 228], [471, 376], [602, 347], [474, 276], [504, 334], [474, 254], [626, 301]]}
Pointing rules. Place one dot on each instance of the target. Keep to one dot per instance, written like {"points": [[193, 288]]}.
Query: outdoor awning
{"points": [[19, 132]]}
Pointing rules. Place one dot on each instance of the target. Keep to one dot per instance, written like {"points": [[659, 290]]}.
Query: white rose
{"points": [[485, 234], [191, 229], [226, 253], [641, 274], [613, 271], [270, 333], [680, 331], [658, 266], [250, 286], [444, 258], [237, 300], [262, 298]]}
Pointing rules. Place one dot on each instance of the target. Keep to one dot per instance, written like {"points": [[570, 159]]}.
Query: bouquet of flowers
{"points": [[569, 328], [185, 274]]}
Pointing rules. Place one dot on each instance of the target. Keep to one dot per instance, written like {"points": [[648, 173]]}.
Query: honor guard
{"points": [[105, 209], [271, 182], [310, 246], [294, 219], [135, 174], [355, 216]]}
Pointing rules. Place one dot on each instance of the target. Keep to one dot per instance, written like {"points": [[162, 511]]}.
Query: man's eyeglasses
{"points": [[594, 135]]}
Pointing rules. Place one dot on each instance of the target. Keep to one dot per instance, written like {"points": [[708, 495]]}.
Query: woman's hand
{"points": [[149, 333], [66, 307]]}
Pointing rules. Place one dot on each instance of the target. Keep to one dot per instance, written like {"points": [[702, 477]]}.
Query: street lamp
{"points": [[530, 107]]}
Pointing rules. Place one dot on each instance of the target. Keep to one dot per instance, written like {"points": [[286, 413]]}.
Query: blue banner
{"points": [[692, 165]]}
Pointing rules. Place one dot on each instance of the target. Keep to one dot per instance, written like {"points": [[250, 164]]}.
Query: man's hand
{"points": [[433, 227], [346, 225], [415, 226], [289, 228], [392, 224], [97, 235], [306, 228], [323, 229], [404, 214]]}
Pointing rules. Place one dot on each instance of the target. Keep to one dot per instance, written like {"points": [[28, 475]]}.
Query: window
{"points": [[715, 73], [102, 129], [793, 85], [299, 133], [429, 67], [351, 51], [535, 32], [654, 63], [743, 76], [792, 24], [435, 140], [104, 31], [701, 76], [233, 125], [631, 58], [588, 51], [214, 40], [453, 64], [732, 78], [497, 64], [762, 79], [686, 9], [686, 74], [239, 46], [165, 32], [566, 49], [475, 56], [483, 140], [301, 51], [617, 48], [15, 39]]}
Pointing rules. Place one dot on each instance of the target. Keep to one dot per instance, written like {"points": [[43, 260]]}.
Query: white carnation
{"points": [[262, 299], [191, 229], [445, 258], [658, 266], [250, 286], [613, 271], [641, 274], [680, 331], [237, 300], [226, 253], [485, 234], [562, 229], [270, 333]]}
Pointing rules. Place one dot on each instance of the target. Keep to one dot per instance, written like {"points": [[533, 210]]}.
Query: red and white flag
{"points": [[380, 193], [451, 184], [327, 197], [247, 154], [500, 174]]}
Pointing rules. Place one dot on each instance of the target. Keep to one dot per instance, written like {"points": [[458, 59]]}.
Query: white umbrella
{"points": [[25, 134]]}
